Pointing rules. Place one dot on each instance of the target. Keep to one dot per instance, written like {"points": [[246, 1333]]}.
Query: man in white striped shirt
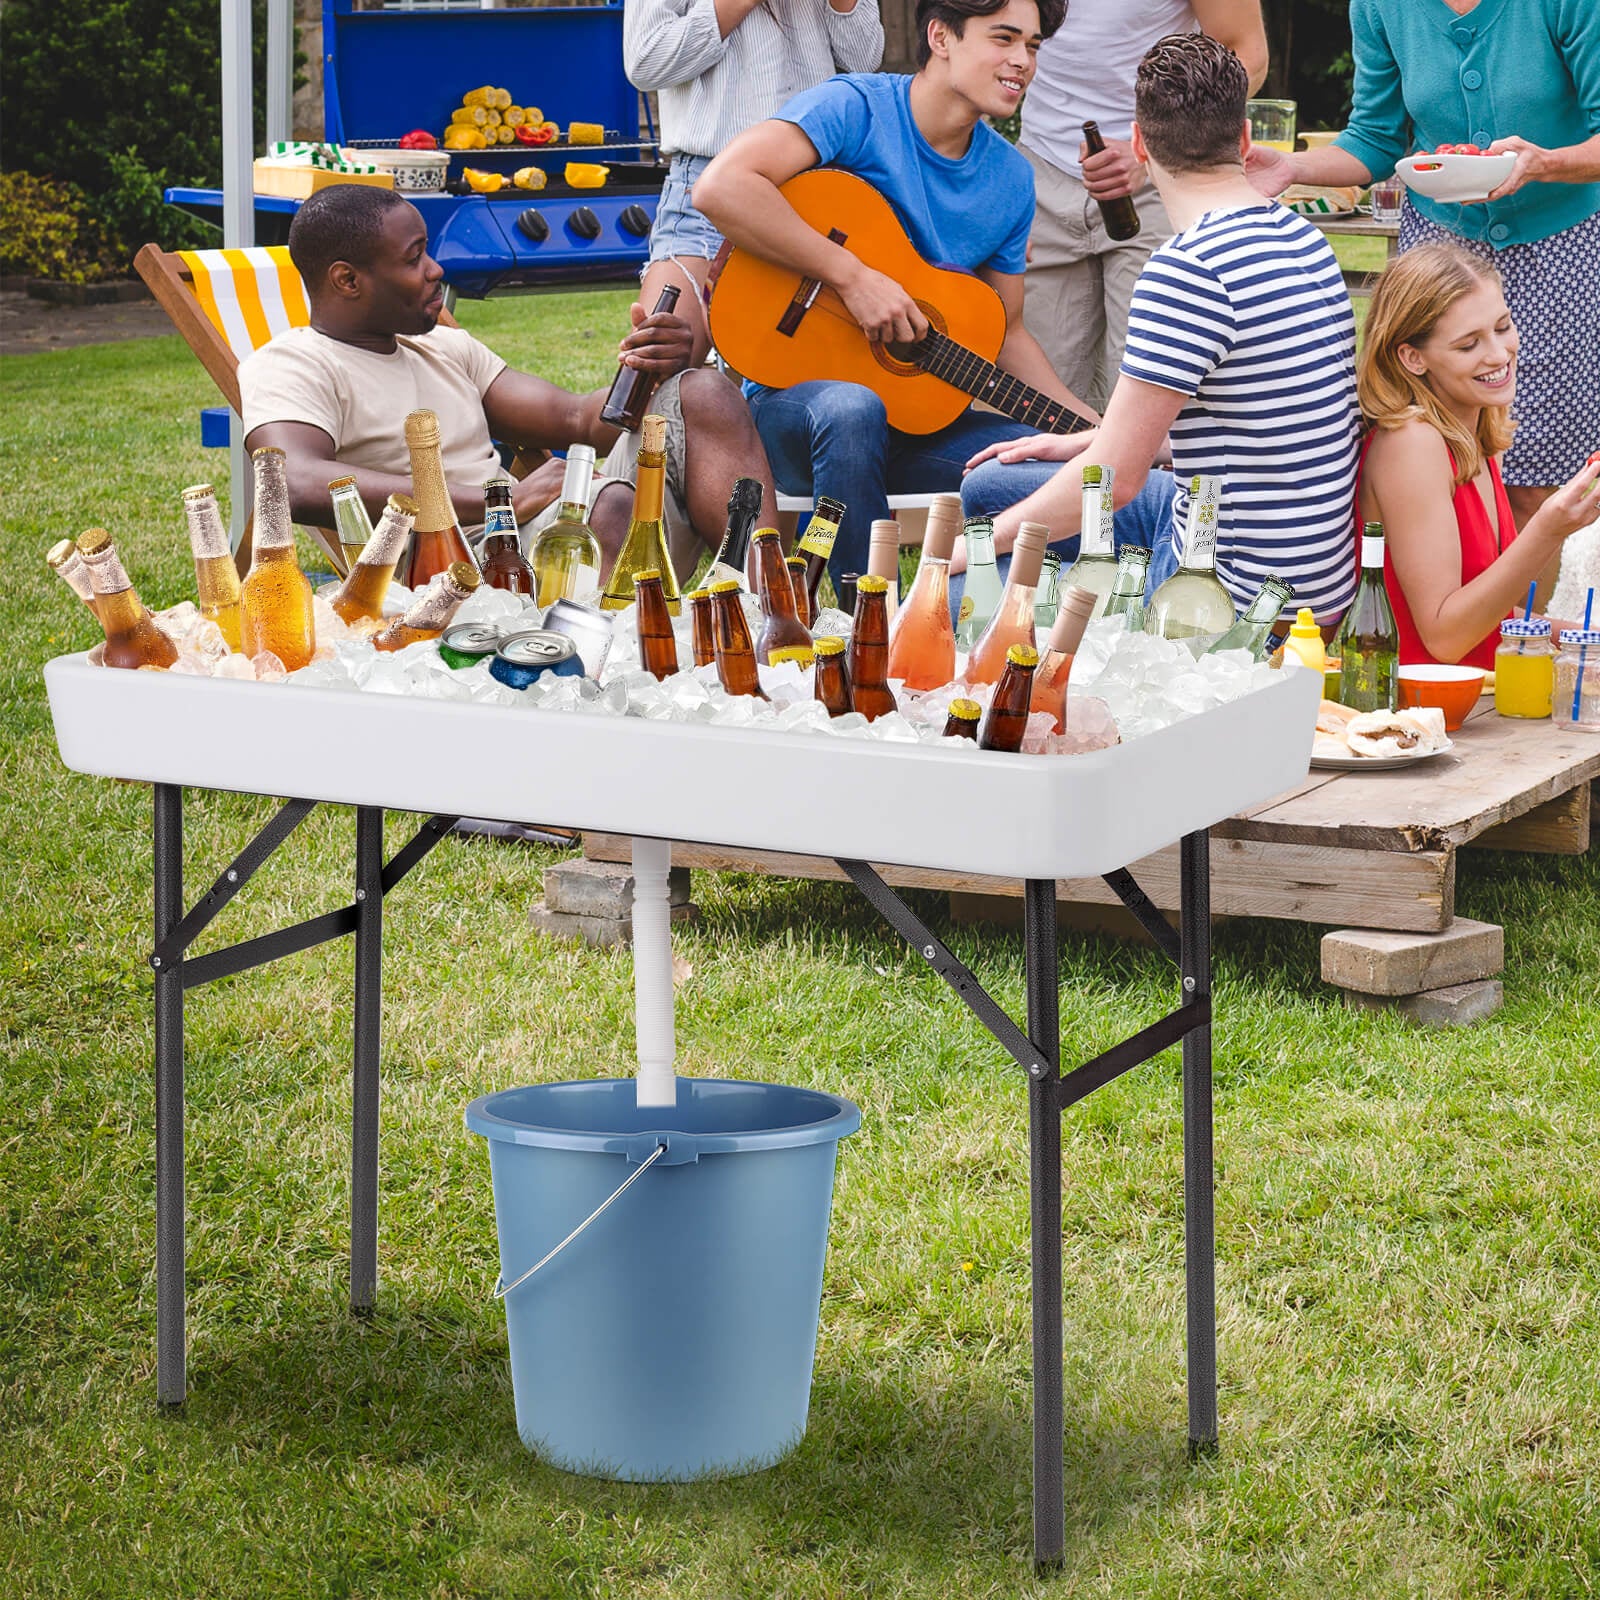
{"points": [[1240, 350]]}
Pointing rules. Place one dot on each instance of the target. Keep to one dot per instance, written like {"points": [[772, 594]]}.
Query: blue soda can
{"points": [[526, 657]]}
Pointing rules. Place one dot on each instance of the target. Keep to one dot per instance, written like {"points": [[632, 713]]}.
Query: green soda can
{"points": [[468, 643]]}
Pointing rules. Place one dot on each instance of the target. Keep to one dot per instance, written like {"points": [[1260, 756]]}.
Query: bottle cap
{"points": [[333, 483], [696, 595], [1027, 553], [795, 561], [1516, 628], [764, 533], [199, 491], [58, 553], [1091, 476], [745, 498], [829, 509], [649, 575], [422, 428], [828, 645], [886, 531], [944, 523], [403, 503], [653, 435], [577, 452], [465, 576], [1022, 655], [966, 710], [1579, 636], [1305, 624], [872, 584], [92, 541], [266, 451], [1075, 608], [498, 480], [727, 586]]}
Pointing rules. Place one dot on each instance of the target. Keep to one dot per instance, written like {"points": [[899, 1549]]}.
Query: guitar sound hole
{"points": [[901, 358]]}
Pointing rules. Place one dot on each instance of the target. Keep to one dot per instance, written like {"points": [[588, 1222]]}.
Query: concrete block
{"points": [[603, 933], [1458, 1006], [1380, 962], [603, 888]]}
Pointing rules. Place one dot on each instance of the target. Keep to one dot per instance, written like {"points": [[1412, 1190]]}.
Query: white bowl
{"points": [[1455, 178], [415, 171]]}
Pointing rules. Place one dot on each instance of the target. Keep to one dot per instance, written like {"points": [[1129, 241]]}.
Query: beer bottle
{"points": [[816, 545], [1050, 677], [1121, 216], [1127, 588], [744, 506], [702, 628], [980, 598], [433, 610], [735, 653], [658, 645], [503, 566], [645, 548], [216, 578], [1252, 631], [631, 389], [883, 560], [831, 683], [566, 554], [922, 639], [350, 520], [437, 539], [1044, 605], [797, 583], [64, 560], [868, 661], [1192, 604], [1369, 645], [783, 636], [275, 598], [1012, 623], [132, 636], [962, 721], [1006, 720], [362, 593], [1096, 566]]}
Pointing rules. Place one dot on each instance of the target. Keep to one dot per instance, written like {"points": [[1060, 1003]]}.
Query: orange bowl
{"points": [[1454, 690]]}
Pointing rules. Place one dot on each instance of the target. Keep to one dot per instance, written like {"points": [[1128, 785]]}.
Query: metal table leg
{"points": [[170, 1338], [364, 1074]]}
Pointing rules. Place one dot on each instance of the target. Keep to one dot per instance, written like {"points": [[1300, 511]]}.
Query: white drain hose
{"points": [[652, 972]]}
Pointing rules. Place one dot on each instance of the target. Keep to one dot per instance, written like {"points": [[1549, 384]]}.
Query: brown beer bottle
{"points": [[962, 722], [362, 593], [216, 578], [1006, 720], [1121, 216], [132, 637], [275, 598], [816, 545], [658, 646], [433, 610], [438, 540], [832, 680], [629, 397], [797, 582], [783, 636], [869, 650], [1055, 667], [503, 566], [700, 607], [735, 653], [64, 560]]}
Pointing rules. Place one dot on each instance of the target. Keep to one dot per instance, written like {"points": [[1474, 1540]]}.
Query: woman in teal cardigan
{"points": [[1506, 75]]}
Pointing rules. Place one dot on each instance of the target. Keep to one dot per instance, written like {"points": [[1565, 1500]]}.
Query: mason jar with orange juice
{"points": [[1524, 669]]}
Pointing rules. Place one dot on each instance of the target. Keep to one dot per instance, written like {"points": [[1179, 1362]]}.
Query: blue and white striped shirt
{"points": [[1246, 312]]}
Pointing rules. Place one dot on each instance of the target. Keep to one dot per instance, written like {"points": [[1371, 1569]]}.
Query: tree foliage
{"points": [[1309, 44]]}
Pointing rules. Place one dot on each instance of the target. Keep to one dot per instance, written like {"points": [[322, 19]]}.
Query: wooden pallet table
{"points": [[1361, 281]]}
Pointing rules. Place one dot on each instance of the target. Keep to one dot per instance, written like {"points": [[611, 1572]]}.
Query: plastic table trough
{"points": [[854, 802]]}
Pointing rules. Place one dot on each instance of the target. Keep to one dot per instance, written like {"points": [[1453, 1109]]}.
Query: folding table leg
{"points": [[171, 1381], [1044, 1188], [368, 1035], [1199, 1220]]}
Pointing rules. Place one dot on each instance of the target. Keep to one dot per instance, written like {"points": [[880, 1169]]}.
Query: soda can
{"points": [[528, 657], [468, 643], [589, 630]]}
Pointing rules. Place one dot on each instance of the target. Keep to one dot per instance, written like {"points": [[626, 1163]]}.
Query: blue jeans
{"points": [[833, 438]]}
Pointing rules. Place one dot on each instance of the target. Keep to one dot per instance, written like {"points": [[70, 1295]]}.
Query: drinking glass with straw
{"points": [[1583, 659]]}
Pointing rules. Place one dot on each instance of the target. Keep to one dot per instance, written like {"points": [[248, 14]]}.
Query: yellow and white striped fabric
{"points": [[248, 295]]}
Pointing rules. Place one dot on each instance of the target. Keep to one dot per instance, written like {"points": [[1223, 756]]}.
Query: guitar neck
{"points": [[940, 356]]}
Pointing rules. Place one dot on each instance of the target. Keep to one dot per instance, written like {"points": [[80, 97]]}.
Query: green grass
{"points": [[1409, 1271]]}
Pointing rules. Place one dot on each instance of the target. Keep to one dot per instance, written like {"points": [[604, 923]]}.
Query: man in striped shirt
{"points": [[1240, 356]]}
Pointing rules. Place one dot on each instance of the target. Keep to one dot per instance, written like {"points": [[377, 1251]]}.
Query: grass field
{"points": [[1409, 1222]]}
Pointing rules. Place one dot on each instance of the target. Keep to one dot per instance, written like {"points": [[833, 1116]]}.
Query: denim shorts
{"points": [[679, 229]]}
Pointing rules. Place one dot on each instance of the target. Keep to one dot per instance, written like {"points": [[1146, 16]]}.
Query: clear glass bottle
{"points": [[1368, 647], [362, 594], [1096, 566], [1192, 604], [350, 519], [1127, 588], [1012, 623], [433, 610], [133, 638], [216, 577], [503, 566], [1576, 703], [437, 539], [566, 555], [275, 598], [1044, 605], [645, 548], [1524, 669], [1006, 720], [1252, 631], [922, 639], [980, 597]]}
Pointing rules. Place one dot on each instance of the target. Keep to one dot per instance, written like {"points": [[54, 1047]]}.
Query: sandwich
{"points": [[1397, 733]]}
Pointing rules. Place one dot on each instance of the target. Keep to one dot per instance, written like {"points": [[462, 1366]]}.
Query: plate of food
{"points": [[1455, 172], [1377, 741], [1321, 203]]}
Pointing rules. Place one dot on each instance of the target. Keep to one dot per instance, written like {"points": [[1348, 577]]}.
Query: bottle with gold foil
{"points": [[433, 610], [645, 548], [831, 682], [817, 542], [735, 650], [868, 657], [502, 564], [362, 593], [64, 560], [1006, 720], [883, 560], [1055, 667], [701, 627], [566, 554], [1012, 623], [437, 540], [797, 583], [275, 598], [961, 722], [216, 578], [922, 639], [350, 519], [132, 637], [658, 645], [783, 636]]}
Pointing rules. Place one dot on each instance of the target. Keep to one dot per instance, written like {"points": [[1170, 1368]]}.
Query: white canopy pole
{"points": [[238, 206], [653, 999], [280, 70]]}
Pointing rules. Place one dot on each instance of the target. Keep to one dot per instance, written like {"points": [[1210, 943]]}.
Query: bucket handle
{"points": [[502, 1289]]}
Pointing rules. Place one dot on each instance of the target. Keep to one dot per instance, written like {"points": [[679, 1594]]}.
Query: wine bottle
{"points": [[629, 396], [1012, 623], [922, 640], [1254, 628], [1127, 588], [797, 582], [658, 645], [64, 560], [275, 597], [831, 682], [961, 721], [980, 598], [1055, 666], [783, 636], [733, 555], [883, 560], [1121, 216], [1192, 604], [362, 593], [133, 638], [503, 565], [735, 650], [1096, 566], [868, 662], [433, 610], [566, 554], [847, 592], [350, 519], [1369, 643], [437, 539], [816, 544], [1006, 720], [216, 578], [1045, 602], [645, 548], [701, 627]]}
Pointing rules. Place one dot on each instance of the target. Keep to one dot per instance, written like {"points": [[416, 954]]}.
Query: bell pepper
{"points": [[483, 182], [549, 132], [419, 139], [525, 133], [587, 174]]}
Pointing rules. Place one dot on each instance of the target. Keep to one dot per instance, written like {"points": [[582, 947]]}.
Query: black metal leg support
{"points": [[171, 1379], [368, 1035]]}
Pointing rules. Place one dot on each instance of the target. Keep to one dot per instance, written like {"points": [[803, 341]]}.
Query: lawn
{"points": [[1408, 1221]]}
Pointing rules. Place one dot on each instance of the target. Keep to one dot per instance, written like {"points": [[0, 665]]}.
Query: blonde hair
{"points": [[1412, 295]]}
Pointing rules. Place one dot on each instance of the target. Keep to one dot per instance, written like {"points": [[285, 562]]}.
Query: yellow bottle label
{"points": [[804, 654], [966, 610], [818, 538]]}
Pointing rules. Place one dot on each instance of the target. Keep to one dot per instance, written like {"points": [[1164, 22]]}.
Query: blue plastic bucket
{"points": [[674, 1337]]}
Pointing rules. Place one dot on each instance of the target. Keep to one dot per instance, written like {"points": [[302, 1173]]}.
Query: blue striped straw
{"points": [[1583, 656]]}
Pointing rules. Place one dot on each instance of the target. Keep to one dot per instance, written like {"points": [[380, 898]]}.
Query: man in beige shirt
{"points": [[334, 396]]}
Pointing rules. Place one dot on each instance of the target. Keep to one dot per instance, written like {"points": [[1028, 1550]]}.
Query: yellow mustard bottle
{"points": [[1305, 642]]}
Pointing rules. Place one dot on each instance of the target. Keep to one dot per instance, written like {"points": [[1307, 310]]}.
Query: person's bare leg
{"points": [[720, 444], [1526, 499], [609, 517], [687, 274]]}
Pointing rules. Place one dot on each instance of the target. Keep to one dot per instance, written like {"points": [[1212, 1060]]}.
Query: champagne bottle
{"points": [[437, 539], [645, 548], [922, 640], [433, 610], [658, 645], [733, 555], [883, 560], [797, 583], [502, 565], [735, 650], [1055, 667], [961, 722], [1012, 623], [1127, 588], [1254, 628], [847, 592], [566, 554], [831, 682], [133, 638], [631, 389], [783, 636], [350, 520], [216, 578], [868, 660], [980, 599], [275, 598], [701, 626], [1369, 643], [362, 593], [816, 544], [64, 560], [1096, 566], [1006, 720], [1121, 216], [1192, 604], [1045, 603]]}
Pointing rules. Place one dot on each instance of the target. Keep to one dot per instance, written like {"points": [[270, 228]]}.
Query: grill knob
{"points": [[584, 223], [532, 225], [635, 220]]}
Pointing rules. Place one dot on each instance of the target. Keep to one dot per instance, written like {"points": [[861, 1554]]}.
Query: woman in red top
{"points": [[1436, 376]]}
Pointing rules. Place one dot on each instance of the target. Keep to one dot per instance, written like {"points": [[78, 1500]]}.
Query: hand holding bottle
{"points": [[1113, 172], [661, 343]]}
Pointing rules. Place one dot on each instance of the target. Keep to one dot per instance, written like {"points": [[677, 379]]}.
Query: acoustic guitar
{"points": [[778, 328]]}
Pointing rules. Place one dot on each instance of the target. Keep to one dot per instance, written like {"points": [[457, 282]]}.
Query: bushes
{"points": [[46, 231]]}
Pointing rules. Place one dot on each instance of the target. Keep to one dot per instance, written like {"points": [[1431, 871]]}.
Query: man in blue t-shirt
{"points": [[965, 198]]}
